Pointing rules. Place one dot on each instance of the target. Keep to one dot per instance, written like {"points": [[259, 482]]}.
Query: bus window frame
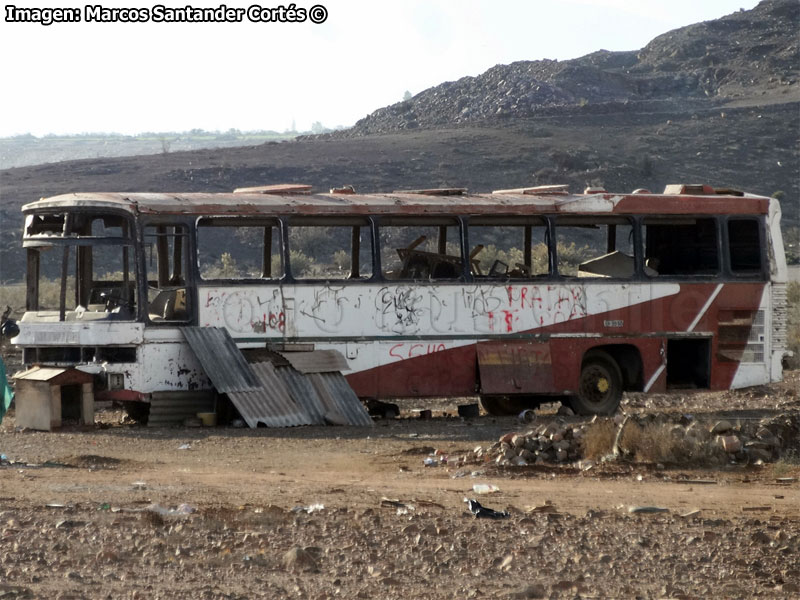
{"points": [[509, 221], [762, 274], [191, 274], [638, 248], [326, 221], [222, 221], [460, 222], [718, 274]]}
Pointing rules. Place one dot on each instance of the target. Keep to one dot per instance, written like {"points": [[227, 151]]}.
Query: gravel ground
{"points": [[121, 511]]}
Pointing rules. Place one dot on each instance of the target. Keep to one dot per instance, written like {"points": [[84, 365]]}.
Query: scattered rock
{"points": [[299, 559]]}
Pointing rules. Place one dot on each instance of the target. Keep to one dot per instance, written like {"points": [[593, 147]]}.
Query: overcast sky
{"points": [[135, 77]]}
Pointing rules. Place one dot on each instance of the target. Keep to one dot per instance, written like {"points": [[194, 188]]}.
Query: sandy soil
{"points": [[120, 511]]}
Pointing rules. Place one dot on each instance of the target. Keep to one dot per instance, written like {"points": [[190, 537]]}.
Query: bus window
{"points": [[594, 246], [239, 249], [514, 248], [330, 249], [680, 246], [420, 249], [93, 280], [744, 246], [166, 264]]}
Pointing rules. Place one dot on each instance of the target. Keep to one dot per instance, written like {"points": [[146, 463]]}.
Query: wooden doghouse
{"points": [[45, 394]]}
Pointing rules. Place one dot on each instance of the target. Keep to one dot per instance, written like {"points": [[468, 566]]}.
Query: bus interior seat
{"points": [[168, 305]]}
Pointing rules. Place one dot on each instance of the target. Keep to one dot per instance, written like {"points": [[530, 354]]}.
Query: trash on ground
{"points": [[180, 511], [311, 508], [482, 512], [435, 461], [691, 513], [402, 508], [547, 507], [647, 509], [485, 488], [185, 447]]}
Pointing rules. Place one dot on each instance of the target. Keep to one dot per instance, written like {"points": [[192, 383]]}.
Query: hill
{"points": [[747, 57]]}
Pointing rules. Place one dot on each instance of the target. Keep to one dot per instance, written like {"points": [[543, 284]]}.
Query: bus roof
{"points": [[524, 201]]}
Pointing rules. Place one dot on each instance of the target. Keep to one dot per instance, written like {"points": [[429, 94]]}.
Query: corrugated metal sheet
{"points": [[303, 392], [339, 398], [221, 359], [173, 408], [288, 398], [271, 403], [317, 361]]}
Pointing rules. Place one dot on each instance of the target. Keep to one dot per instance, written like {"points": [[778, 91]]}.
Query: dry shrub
{"points": [[666, 443], [598, 439]]}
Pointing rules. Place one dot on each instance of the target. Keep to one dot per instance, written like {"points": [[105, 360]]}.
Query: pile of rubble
{"points": [[652, 438]]}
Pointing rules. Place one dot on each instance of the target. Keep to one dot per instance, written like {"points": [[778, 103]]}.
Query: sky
{"points": [[128, 78]]}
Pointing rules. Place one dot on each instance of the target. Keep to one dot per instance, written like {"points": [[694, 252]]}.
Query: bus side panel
{"points": [[740, 352], [515, 367], [425, 368]]}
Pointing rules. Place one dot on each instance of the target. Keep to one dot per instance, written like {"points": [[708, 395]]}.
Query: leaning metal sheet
{"points": [[221, 359], [339, 398], [272, 403]]}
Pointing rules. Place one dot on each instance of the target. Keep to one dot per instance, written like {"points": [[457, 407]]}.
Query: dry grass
{"points": [[664, 443], [598, 441]]}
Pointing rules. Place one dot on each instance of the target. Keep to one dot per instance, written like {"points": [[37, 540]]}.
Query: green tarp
{"points": [[6, 395]]}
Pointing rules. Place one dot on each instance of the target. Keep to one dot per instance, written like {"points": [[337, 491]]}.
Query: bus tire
{"points": [[504, 406], [599, 386]]}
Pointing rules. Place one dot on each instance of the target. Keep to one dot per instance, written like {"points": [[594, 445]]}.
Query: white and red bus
{"points": [[517, 296]]}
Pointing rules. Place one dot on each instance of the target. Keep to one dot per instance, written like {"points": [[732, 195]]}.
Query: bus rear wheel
{"points": [[599, 387]]}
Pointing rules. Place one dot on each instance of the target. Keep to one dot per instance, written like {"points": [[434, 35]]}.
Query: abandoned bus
{"points": [[516, 296]]}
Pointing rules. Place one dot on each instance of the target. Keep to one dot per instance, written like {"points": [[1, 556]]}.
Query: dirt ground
{"points": [[125, 511]]}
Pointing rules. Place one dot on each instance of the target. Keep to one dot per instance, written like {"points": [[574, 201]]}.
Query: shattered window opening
{"points": [[420, 248], [595, 247], [680, 246], [166, 271], [508, 248], [330, 249], [744, 246], [239, 249], [87, 274]]}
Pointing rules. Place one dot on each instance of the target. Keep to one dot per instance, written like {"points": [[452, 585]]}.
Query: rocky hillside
{"points": [[746, 56]]}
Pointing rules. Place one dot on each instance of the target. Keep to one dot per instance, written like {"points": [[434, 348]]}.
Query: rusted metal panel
{"points": [[317, 361], [339, 399], [271, 403], [506, 202], [221, 359], [511, 367]]}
